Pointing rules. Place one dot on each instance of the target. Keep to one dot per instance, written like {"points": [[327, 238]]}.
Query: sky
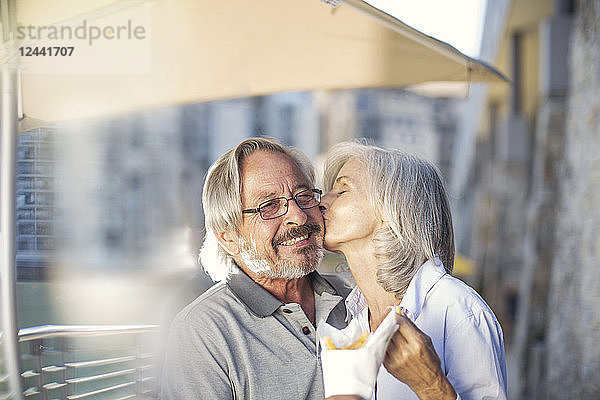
{"points": [[457, 22]]}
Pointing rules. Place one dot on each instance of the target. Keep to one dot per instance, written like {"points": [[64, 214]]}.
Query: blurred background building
{"points": [[37, 214], [530, 183], [130, 187]]}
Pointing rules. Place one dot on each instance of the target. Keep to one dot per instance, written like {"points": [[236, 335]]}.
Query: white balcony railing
{"points": [[73, 362]]}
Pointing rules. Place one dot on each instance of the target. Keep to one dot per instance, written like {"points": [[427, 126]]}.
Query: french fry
{"points": [[362, 340], [329, 343]]}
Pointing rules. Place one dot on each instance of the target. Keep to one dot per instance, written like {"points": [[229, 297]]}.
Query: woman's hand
{"points": [[412, 359]]}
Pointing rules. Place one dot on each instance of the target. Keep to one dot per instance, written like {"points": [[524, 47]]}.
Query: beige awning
{"points": [[199, 50]]}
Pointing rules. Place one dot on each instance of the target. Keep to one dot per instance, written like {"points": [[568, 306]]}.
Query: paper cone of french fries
{"points": [[351, 357]]}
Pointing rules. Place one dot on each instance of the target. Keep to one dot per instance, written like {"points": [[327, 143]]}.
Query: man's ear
{"points": [[230, 242]]}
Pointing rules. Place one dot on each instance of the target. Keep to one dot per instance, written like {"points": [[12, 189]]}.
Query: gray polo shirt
{"points": [[237, 341]]}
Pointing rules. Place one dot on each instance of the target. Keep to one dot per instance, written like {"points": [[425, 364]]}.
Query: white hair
{"points": [[222, 201], [214, 259], [409, 195]]}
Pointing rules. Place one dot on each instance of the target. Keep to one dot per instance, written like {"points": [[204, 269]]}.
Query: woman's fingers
{"points": [[410, 355], [411, 333], [412, 359], [408, 328]]}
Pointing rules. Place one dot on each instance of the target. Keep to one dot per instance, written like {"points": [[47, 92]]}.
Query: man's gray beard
{"points": [[285, 270]]}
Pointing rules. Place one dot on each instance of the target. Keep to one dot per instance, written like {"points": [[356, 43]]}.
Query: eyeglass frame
{"points": [[256, 210]]}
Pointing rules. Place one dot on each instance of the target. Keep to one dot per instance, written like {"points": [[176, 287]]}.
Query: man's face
{"points": [[289, 246]]}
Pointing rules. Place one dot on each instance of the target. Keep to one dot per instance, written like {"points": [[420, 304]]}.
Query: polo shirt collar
{"points": [[259, 300]]}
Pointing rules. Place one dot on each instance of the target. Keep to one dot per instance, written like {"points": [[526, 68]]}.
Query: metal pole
{"points": [[8, 277], [8, 147]]}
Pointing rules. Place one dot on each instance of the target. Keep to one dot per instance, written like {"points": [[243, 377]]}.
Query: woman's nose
{"points": [[325, 201]]}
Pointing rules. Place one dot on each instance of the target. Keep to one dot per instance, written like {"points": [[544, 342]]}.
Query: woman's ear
{"points": [[230, 242]]}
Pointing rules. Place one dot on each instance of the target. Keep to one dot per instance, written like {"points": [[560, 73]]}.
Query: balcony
{"points": [[71, 362]]}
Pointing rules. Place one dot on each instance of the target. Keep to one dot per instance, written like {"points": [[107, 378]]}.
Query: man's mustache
{"points": [[295, 232]]}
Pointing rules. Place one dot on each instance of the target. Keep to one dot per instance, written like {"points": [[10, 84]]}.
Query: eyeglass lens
{"points": [[277, 207]]}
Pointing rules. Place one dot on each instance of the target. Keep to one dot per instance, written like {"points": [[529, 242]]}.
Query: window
{"points": [[45, 199], [25, 214], [44, 228], [25, 244], [26, 153], [26, 228], [45, 213], [45, 243], [24, 183], [24, 168]]}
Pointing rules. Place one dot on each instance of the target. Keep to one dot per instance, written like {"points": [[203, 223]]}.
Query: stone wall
{"points": [[573, 332], [528, 341]]}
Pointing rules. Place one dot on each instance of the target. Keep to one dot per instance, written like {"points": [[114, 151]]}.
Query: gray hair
{"points": [[222, 200], [409, 195]]}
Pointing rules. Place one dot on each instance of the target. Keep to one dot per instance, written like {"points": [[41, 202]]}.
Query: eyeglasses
{"points": [[277, 207]]}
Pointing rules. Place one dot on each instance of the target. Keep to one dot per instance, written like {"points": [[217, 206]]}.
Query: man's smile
{"points": [[297, 236], [293, 241]]}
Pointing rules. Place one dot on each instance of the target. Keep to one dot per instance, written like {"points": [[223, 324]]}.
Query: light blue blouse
{"points": [[465, 333]]}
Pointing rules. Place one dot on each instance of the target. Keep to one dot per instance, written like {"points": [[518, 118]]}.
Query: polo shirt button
{"points": [[287, 311], [305, 330]]}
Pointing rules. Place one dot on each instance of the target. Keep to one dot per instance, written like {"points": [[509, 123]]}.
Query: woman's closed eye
{"points": [[341, 189]]}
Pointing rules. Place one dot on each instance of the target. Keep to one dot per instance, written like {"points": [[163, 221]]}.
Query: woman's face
{"points": [[349, 217]]}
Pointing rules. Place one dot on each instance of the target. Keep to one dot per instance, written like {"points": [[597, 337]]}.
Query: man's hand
{"points": [[412, 359]]}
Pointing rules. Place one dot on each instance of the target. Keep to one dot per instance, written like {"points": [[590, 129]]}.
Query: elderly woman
{"points": [[388, 214]]}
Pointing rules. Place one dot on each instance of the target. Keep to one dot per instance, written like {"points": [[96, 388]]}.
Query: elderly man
{"points": [[252, 336]]}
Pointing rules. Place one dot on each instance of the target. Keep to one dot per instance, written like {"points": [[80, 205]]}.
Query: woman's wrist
{"points": [[441, 389]]}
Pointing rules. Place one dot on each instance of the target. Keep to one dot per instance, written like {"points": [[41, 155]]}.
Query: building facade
{"points": [[37, 216], [533, 187], [130, 186]]}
